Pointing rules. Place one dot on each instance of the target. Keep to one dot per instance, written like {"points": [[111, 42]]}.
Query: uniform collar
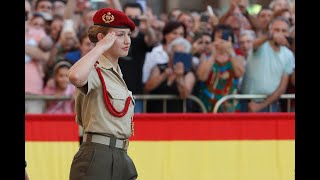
{"points": [[105, 63]]}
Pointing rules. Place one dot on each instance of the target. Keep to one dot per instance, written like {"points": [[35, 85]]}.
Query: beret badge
{"points": [[108, 18]]}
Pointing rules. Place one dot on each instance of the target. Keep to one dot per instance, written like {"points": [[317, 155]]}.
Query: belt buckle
{"points": [[125, 144]]}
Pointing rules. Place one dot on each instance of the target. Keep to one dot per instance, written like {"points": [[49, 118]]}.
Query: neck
{"points": [[274, 45], [112, 59], [164, 46]]}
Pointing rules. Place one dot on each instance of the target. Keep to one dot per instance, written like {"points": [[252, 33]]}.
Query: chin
{"points": [[124, 54]]}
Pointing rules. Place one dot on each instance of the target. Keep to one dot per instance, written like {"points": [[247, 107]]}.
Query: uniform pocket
{"points": [[118, 99]]}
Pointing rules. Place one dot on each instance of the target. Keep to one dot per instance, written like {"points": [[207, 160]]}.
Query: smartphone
{"points": [[225, 35], [204, 18], [185, 58]]}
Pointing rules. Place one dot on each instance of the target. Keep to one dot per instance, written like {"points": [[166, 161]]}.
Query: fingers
{"points": [[110, 36]]}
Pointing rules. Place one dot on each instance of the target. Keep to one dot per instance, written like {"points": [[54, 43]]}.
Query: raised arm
{"points": [[78, 74]]}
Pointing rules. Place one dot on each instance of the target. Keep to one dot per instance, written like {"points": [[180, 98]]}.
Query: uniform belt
{"points": [[106, 140]]}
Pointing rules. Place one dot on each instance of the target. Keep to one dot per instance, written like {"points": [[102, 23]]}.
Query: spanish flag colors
{"points": [[237, 146]]}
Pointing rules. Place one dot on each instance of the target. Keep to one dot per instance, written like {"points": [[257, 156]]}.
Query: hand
{"points": [[179, 69], [254, 107], [233, 4], [167, 72], [107, 41], [280, 39], [224, 46]]}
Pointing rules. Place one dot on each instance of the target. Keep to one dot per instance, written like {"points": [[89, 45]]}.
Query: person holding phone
{"points": [[104, 105], [219, 74], [172, 78]]}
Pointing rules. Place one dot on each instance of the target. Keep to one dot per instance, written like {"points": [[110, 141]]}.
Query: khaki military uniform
{"points": [[90, 107], [95, 159]]}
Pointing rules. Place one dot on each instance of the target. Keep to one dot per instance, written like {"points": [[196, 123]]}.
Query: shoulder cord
{"points": [[107, 101]]}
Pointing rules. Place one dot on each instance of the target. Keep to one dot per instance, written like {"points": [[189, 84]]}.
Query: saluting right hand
{"points": [[107, 41]]}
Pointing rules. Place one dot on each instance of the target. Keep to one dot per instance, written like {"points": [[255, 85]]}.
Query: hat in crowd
{"points": [[109, 17]]}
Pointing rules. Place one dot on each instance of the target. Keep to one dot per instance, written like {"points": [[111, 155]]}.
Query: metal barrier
{"points": [[143, 97], [251, 96], [165, 97]]}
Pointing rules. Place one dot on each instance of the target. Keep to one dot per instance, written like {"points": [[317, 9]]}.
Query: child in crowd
{"points": [[60, 86]]}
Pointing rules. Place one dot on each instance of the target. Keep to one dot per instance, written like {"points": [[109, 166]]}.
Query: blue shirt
{"points": [[73, 56]]}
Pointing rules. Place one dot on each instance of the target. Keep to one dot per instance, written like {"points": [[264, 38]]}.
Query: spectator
{"points": [[173, 14], [170, 78], [59, 86], [85, 46], [264, 17], [58, 7], [37, 52], [269, 68], [43, 6], [141, 43], [158, 55], [68, 42], [28, 10], [277, 5], [246, 46], [56, 28], [246, 42], [220, 73]]}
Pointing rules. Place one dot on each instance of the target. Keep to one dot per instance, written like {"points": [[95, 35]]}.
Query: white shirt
{"points": [[156, 56]]}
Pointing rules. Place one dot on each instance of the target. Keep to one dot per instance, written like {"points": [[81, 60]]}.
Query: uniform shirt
{"points": [[91, 112], [264, 69]]}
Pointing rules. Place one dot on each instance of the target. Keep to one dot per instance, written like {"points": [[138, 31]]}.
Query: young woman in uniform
{"points": [[104, 105]]}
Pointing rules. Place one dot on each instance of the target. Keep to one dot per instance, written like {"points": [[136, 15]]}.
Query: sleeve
{"points": [[92, 82], [290, 63]]}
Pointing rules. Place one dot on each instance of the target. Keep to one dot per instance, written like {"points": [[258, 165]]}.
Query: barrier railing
{"points": [[143, 97], [251, 96]]}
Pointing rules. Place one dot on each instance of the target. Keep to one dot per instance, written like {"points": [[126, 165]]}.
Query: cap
{"points": [[109, 17]]}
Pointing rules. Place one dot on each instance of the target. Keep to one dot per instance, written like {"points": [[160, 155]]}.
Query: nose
{"points": [[127, 40]]}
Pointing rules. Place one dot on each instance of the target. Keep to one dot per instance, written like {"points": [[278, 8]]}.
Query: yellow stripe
{"points": [[49, 160], [218, 160], [178, 160]]}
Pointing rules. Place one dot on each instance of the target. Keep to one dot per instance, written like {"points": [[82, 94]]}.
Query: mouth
{"points": [[125, 48]]}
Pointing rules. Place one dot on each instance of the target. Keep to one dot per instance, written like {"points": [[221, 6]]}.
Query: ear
{"points": [[100, 36]]}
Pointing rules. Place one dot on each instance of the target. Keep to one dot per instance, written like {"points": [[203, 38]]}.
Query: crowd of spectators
{"points": [[205, 53]]}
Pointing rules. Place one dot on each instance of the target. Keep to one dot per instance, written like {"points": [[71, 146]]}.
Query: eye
{"points": [[120, 35], [129, 34]]}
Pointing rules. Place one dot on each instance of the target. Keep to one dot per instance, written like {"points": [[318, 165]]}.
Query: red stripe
{"points": [[51, 128], [156, 127], [240, 126]]}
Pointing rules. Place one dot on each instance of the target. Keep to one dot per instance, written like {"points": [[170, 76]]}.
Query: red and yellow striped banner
{"points": [[177, 146]]}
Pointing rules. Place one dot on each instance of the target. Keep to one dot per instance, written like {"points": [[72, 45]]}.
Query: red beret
{"points": [[109, 17]]}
